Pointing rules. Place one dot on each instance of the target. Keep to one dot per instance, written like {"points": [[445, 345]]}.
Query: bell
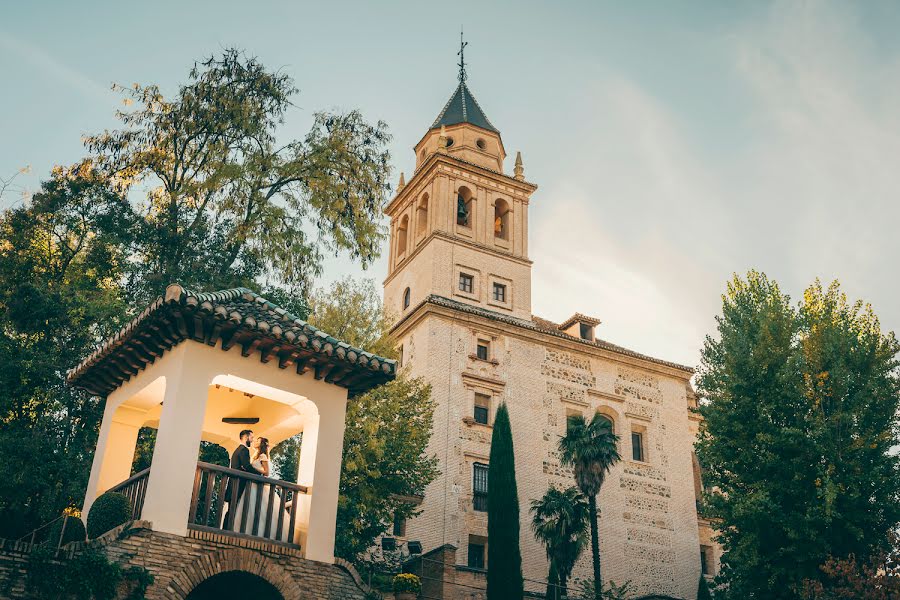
{"points": [[462, 213]]}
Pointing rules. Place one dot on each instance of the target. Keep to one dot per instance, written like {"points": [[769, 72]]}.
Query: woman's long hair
{"points": [[263, 447]]}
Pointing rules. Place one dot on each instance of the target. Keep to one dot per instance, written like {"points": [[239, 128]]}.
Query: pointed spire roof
{"points": [[463, 108]]}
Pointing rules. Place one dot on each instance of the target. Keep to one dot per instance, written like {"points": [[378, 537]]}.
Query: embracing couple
{"points": [[252, 456]]}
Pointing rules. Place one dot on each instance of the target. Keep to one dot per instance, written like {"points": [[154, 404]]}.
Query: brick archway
{"points": [[237, 559]]}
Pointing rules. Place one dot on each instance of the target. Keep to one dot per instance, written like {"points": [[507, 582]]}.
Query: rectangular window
{"points": [[400, 357], [704, 560], [499, 292], [399, 526], [479, 486], [466, 283], [482, 408], [483, 350], [476, 553], [637, 446]]}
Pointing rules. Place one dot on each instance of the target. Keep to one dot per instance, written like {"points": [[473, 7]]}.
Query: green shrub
{"points": [[74, 532], [407, 582], [108, 511], [703, 590]]}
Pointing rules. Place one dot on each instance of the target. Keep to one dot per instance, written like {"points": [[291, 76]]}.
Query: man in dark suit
{"points": [[240, 460]]}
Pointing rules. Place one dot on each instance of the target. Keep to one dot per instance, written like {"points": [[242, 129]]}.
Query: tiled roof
{"points": [[463, 108], [578, 318], [548, 327], [236, 316]]}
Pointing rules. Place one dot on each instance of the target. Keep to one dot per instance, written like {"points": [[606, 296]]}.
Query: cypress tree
{"points": [[703, 590], [504, 576]]}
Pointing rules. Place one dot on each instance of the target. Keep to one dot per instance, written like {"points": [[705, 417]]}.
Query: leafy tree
{"points": [[385, 461], [61, 257], [799, 420], [504, 573], [560, 521], [877, 578], [703, 589], [590, 448], [143, 452], [230, 203]]}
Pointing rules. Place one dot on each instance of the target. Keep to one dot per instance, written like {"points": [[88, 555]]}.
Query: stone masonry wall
{"points": [[179, 564], [648, 525]]}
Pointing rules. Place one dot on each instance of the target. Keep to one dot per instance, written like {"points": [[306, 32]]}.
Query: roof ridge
{"points": [[452, 114]]}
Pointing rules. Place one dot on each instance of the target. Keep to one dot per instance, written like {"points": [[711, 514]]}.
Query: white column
{"points": [[327, 458], [177, 445], [305, 472], [114, 453]]}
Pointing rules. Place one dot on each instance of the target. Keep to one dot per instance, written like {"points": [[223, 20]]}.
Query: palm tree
{"points": [[559, 520], [590, 448]]}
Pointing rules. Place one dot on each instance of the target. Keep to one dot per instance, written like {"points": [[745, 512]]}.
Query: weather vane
{"points": [[462, 58]]}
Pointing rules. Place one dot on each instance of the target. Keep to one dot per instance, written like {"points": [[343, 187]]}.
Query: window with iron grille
{"points": [[499, 292], [466, 283], [479, 486]]}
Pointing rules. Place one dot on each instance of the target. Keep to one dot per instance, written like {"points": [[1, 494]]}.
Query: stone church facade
{"points": [[459, 280]]}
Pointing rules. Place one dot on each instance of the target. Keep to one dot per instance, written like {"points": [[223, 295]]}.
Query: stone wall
{"points": [[649, 532], [179, 564]]}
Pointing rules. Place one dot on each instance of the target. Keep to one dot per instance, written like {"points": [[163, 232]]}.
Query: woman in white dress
{"points": [[260, 462]]}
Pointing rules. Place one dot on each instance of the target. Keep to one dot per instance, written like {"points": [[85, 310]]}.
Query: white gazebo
{"points": [[204, 367]]}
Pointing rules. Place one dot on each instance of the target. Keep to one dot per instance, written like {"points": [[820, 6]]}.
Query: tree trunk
{"points": [[552, 584], [595, 547]]}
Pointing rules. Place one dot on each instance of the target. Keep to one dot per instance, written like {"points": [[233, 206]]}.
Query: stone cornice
{"points": [[523, 329], [456, 240]]}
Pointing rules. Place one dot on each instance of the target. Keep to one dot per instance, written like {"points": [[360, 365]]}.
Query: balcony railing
{"points": [[237, 503], [135, 489]]}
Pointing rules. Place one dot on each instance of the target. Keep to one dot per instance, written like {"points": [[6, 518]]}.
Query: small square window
{"points": [[637, 446], [586, 332], [476, 553], [499, 292], [466, 283], [482, 408], [483, 350]]}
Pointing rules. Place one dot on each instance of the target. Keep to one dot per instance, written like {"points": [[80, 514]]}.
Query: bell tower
{"points": [[459, 226]]}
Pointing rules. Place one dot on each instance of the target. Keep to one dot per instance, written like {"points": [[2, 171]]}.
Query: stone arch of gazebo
{"points": [[204, 367], [233, 559]]}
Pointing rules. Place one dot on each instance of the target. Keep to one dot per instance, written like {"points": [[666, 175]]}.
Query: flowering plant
{"points": [[407, 582]]}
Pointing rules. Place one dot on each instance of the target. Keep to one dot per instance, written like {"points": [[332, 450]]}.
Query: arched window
{"points": [[464, 207], [401, 235], [501, 219], [405, 298], [422, 216]]}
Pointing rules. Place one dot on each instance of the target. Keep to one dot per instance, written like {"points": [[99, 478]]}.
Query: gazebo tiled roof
{"points": [[233, 317]]}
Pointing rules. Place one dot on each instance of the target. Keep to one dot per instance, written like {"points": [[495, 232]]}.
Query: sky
{"points": [[673, 143]]}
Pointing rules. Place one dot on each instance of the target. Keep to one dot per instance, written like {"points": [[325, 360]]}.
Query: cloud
{"points": [[654, 223], [53, 68]]}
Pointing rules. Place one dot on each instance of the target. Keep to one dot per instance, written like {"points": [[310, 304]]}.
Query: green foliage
{"points": [[229, 200], [799, 420], [61, 257], [286, 457], [385, 459], [407, 582], [586, 590], [504, 574], [560, 521], [877, 578], [351, 310], [703, 590], [590, 449], [87, 576], [74, 532], [108, 511]]}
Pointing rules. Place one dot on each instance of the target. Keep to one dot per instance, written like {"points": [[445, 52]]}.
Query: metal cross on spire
{"points": [[462, 58]]}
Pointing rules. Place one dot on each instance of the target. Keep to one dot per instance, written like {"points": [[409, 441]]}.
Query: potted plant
{"points": [[406, 586]]}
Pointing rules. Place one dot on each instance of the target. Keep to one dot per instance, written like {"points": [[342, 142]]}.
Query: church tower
{"points": [[459, 227]]}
